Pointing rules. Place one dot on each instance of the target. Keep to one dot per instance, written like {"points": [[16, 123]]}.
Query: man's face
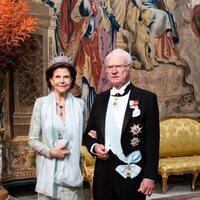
{"points": [[117, 71]]}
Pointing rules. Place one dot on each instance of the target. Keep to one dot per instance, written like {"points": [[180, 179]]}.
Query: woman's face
{"points": [[61, 80]]}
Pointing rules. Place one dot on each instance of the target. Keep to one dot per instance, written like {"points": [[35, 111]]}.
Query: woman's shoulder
{"points": [[40, 100], [80, 101]]}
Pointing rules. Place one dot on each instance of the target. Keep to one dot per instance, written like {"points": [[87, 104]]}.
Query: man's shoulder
{"points": [[102, 97], [103, 94], [143, 92]]}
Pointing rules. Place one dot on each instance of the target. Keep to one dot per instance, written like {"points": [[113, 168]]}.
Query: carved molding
{"points": [[3, 192]]}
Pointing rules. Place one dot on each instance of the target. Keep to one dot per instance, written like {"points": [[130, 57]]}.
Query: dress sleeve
{"points": [[35, 132], [83, 109]]}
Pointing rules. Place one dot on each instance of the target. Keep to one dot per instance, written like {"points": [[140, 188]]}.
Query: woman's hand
{"points": [[93, 134], [58, 153]]}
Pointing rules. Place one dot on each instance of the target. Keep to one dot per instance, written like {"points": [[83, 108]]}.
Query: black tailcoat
{"points": [[148, 121]]}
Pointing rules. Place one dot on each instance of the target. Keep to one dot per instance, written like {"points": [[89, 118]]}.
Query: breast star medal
{"points": [[135, 130]]}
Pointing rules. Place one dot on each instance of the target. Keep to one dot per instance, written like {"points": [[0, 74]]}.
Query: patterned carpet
{"points": [[178, 189], [27, 193], [195, 196]]}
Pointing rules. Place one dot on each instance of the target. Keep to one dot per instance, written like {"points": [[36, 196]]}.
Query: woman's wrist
{"points": [[51, 153]]}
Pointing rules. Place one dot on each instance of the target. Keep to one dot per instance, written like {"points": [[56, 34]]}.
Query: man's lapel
{"points": [[128, 114]]}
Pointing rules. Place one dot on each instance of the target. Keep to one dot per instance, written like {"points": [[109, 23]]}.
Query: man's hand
{"points": [[100, 151], [147, 187]]}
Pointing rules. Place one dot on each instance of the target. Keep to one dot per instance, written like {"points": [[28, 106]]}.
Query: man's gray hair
{"points": [[120, 52]]}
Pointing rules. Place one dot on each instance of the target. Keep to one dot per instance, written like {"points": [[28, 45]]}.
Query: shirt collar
{"points": [[121, 91]]}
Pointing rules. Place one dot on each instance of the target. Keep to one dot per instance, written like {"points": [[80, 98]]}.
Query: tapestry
{"points": [[158, 36], [156, 33]]}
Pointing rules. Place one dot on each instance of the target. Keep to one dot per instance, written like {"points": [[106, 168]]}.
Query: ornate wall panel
{"points": [[28, 83], [23, 87], [30, 73]]}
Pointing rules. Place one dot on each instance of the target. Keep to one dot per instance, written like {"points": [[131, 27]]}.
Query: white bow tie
{"points": [[114, 91]]}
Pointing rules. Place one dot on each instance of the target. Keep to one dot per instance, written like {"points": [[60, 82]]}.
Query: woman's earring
{"points": [[52, 88]]}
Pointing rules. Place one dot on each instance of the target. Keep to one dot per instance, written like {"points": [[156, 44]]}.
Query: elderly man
{"points": [[123, 134]]}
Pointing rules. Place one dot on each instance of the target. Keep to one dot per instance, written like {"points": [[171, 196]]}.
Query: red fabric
{"points": [[84, 51]]}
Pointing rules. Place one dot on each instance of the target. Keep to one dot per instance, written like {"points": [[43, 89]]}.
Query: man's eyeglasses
{"points": [[117, 67]]}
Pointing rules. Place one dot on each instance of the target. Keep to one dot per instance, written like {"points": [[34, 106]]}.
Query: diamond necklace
{"points": [[60, 106]]}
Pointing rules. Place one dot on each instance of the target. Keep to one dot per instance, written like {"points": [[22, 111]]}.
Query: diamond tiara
{"points": [[61, 58]]}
